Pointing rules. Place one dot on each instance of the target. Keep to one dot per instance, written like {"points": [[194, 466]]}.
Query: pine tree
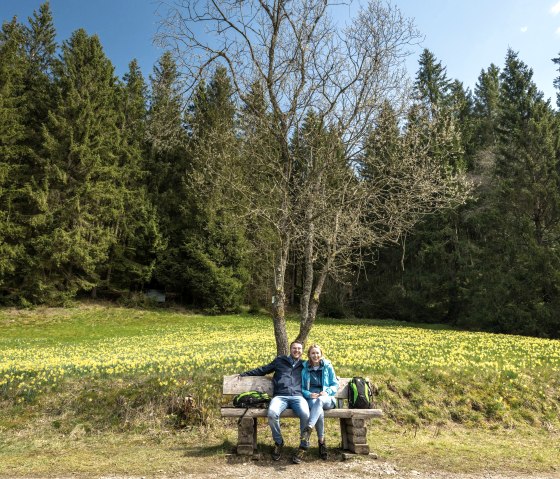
{"points": [[384, 142], [431, 85], [486, 108], [166, 140], [166, 166], [461, 106], [518, 263], [133, 255], [444, 111], [40, 49], [419, 279], [214, 240], [81, 195], [13, 111], [256, 135]]}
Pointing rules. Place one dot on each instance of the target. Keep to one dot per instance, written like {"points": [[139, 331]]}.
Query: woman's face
{"points": [[315, 355]]}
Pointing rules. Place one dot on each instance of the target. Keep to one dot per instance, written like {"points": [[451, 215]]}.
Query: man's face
{"points": [[295, 350]]}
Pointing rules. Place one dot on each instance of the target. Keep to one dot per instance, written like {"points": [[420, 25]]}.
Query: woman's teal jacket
{"points": [[330, 381]]}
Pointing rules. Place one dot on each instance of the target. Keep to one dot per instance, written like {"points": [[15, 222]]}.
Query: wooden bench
{"points": [[353, 427]]}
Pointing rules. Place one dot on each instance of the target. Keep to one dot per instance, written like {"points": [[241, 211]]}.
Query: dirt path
{"points": [[330, 470], [334, 470], [355, 468], [351, 469]]}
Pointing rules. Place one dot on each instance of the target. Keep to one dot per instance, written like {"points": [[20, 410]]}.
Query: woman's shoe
{"points": [[323, 451], [305, 435], [298, 456], [277, 451]]}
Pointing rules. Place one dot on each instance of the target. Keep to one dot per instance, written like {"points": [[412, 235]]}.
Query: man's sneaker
{"points": [[323, 451], [305, 435], [277, 451], [298, 456]]}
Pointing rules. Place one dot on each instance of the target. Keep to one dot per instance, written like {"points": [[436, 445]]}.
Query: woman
{"points": [[319, 385]]}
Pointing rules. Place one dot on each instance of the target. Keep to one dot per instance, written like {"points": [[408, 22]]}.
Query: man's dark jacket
{"points": [[287, 375]]}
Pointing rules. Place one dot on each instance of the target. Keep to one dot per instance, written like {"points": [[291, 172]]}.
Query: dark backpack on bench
{"points": [[360, 394], [252, 399]]}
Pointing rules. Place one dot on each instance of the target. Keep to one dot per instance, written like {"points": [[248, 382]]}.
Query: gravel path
{"points": [[355, 468]]}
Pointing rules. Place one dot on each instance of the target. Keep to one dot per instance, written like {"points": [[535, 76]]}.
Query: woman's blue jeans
{"points": [[278, 403], [316, 415]]}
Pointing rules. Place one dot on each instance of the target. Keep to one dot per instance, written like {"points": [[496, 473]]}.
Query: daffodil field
{"points": [[423, 367]]}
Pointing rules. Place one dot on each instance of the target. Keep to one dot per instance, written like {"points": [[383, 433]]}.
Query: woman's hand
{"points": [[323, 393], [314, 395]]}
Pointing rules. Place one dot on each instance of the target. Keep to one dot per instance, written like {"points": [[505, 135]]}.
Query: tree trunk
{"points": [[310, 314], [307, 276], [279, 300]]}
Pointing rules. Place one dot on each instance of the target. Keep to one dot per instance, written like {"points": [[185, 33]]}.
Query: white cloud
{"points": [[555, 9], [558, 31], [524, 29]]}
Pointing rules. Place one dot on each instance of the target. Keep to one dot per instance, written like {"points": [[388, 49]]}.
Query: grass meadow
{"points": [[95, 378]]}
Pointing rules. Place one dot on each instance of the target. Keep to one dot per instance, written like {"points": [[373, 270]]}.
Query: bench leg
{"points": [[354, 435], [246, 436], [343, 434]]}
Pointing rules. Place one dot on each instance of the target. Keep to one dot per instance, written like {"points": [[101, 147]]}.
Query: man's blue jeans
{"points": [[317, 417], [278, 403]]}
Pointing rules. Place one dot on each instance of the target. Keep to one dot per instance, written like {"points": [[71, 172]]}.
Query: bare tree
{"points": [[303, 63]]}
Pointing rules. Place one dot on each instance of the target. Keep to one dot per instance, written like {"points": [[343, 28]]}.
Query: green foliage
{"points": [[133, 256], [204, 260], [80, 189], [493, 263], [486, 107], [114, 186], [431, 84], [519, 264], [417, 279], [13, 110]]}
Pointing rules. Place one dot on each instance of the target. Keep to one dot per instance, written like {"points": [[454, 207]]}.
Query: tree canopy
{"points": [[283, 162]]}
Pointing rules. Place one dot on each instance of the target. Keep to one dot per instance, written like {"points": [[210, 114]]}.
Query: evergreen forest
{"points": [[110, 187]]}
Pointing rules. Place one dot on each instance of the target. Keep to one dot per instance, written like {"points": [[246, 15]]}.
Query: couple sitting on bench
{"points": [[306, 387]]}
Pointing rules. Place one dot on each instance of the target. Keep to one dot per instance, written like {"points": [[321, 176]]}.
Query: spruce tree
{"points": [[215, 236], [255, 126], [518, 289], [13, 149], [166, 166], [486, 108], [431, 84], [40, 49], [429, 257], [138, 240], [556, 81], [81, 197]]}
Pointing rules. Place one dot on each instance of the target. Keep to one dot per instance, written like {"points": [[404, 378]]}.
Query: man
{"points": [[286, 394]]}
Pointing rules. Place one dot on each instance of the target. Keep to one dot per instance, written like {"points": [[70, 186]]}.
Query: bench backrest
{"points": [[237, 385]]}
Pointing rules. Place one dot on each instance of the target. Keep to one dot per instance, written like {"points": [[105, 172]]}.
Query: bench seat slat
{"points": [[234, 384], [335, 413]]}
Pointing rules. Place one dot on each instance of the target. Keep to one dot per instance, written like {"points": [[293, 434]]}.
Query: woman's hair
{"points": [[316, 346]]}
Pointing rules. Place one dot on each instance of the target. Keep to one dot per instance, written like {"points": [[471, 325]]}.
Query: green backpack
{"points": [[252, 399], [360, 393]]}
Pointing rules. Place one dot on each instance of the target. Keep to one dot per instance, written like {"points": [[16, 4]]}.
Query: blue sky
{"points": [[465, 35]]}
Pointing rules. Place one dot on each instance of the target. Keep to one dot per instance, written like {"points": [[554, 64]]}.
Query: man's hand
{"points": [[314, 395]]}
